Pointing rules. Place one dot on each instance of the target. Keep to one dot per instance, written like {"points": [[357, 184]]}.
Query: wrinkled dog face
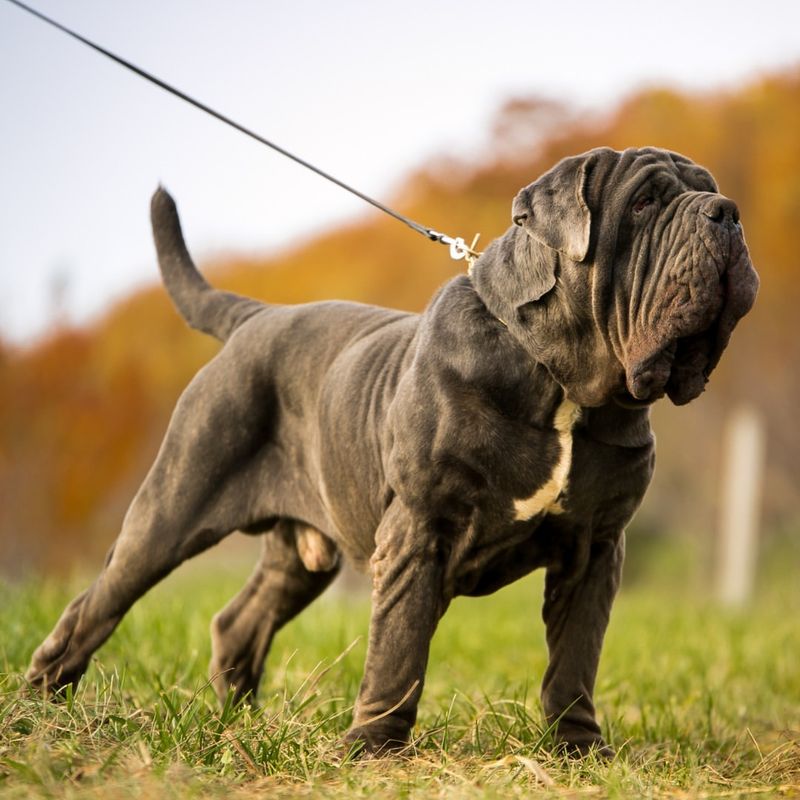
{"points": [[647, 244]]}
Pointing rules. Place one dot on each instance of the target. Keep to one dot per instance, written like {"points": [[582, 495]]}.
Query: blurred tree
{"points": [[82, 412]]}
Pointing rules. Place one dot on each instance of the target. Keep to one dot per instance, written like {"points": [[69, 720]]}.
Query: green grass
{"points": [[697, 701]]}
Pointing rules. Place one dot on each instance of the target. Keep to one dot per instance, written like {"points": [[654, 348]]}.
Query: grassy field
{"points": [[697, 701]]}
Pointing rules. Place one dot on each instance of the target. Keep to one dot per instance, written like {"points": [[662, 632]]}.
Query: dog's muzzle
{"points": [[691, 340]]}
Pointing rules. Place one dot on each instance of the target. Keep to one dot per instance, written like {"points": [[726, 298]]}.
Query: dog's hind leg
{"points": [[205, 483], [297, 564]]}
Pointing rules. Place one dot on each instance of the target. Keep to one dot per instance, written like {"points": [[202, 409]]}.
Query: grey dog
{"points": [[447, 453]]}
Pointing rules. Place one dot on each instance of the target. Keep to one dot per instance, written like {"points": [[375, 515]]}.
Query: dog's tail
{"points": [[205, 308]]}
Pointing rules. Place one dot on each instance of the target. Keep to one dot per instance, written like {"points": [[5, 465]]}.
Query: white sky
{"points": [[365, 90]]}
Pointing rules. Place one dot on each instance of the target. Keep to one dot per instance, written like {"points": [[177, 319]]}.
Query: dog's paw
{"points": [[368, 742], [51, 678], [55, 665], [596, 748]]}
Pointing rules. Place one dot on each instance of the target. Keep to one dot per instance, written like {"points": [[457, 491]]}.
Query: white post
{"points": [[742, 475]]}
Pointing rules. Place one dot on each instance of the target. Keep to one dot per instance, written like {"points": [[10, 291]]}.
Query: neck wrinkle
{"points": [[483, 300], [487, 292]]}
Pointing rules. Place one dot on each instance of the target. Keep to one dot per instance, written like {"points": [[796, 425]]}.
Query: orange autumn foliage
{"points": [[82, 411]]}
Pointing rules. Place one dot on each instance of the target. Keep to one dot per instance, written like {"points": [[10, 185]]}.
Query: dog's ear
{"points": [[511, 273], [553, 210]]}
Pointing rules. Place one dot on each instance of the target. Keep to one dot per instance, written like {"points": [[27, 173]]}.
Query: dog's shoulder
{"points": [[471, 406], [460, 337]]}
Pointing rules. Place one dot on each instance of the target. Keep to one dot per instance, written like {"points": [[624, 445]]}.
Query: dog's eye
{"points": [[641, 204]]}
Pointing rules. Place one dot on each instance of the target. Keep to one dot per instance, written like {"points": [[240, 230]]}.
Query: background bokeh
{"points": [[85, 395]]}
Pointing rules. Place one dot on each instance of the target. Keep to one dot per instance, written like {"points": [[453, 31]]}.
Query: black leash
{"points": [[458, 248]]}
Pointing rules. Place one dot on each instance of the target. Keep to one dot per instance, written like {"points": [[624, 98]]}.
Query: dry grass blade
{"points": [[536, 769], [322, 673]]}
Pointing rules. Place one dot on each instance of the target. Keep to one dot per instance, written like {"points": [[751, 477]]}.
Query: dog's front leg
{"points": [[407, 602], [576, 612]]}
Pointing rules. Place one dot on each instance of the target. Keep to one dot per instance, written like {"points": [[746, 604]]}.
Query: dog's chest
{"points": [[547, 498]]}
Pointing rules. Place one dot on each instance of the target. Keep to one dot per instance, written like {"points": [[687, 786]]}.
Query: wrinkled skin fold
{"points": [[504, 429]]}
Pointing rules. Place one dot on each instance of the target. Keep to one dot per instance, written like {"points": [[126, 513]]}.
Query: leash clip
{"points": [[458, 247]]}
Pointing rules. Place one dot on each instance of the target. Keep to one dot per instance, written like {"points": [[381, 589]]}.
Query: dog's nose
{"points": [[721, 210]]}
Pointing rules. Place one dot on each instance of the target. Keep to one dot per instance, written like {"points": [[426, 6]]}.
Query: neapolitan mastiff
{"points": [[505, 428]]}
